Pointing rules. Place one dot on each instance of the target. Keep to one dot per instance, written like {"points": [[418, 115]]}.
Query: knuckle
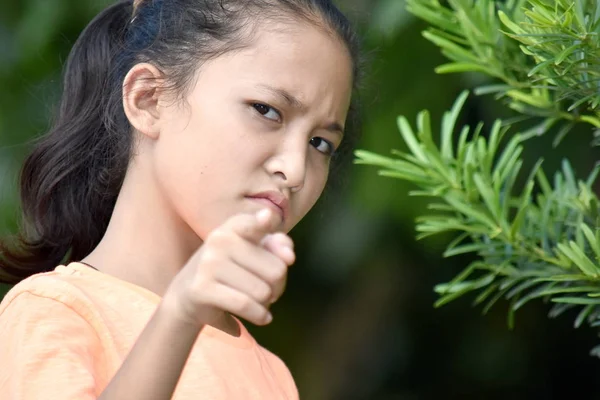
{"points": [[244, 305], [278, 272], [210, 258], [219, 237], [263, 293], [285, 239]]}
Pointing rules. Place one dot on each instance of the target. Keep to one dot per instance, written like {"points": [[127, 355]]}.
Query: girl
{"points": [[192, 135]]}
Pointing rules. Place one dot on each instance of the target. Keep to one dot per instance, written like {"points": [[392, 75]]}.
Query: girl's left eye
{"points": [[267, 112], [322, 145]]}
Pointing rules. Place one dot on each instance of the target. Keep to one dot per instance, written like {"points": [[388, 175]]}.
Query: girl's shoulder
{"points": [[77, 283], [53, 339], [96, 297], [62, 285]]}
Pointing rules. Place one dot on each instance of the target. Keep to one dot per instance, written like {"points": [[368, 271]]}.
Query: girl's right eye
{"points": [[267, 112]]}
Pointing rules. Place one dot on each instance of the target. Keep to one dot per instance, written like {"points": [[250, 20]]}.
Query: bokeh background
{"points": [[357, 320]]}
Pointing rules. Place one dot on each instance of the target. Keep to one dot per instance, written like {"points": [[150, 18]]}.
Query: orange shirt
{"points": [[64, 334]]}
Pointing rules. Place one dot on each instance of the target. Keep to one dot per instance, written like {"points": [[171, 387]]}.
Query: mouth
{"points": [[274, 200]]}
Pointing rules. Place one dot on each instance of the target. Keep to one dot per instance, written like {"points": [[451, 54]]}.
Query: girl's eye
{"points": [[322, 145], [267, 112]]}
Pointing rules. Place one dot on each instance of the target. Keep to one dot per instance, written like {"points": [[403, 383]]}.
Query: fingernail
{"points": [[269, 318]]}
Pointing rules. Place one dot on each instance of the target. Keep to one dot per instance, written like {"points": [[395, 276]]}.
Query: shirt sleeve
{"points": [[48, 351]]}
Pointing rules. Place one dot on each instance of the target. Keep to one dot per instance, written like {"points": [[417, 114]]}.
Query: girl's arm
{"points": [[241, 268], [153, 367]]}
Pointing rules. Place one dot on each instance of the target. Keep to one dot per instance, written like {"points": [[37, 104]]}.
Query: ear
{"points": [[141, 90]]}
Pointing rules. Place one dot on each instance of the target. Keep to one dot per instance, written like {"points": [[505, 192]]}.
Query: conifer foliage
{"points": [[540, 240]]}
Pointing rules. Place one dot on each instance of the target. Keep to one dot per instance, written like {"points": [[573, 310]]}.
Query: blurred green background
{"points": [[357, 320]]}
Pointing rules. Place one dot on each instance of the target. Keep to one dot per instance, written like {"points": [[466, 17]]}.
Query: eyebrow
{"points": [[284, 94], [296, 103]]}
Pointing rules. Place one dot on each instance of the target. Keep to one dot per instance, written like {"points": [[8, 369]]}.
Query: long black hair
{"points": [[70, 182]]}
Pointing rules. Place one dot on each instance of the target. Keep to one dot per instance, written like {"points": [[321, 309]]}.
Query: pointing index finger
{"points": [[265, 222]]}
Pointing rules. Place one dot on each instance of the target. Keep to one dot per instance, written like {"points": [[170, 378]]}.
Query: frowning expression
{"points": [[258, 129]]}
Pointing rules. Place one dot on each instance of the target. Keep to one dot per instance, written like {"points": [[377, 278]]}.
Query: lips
{"points": [[275, 199]]}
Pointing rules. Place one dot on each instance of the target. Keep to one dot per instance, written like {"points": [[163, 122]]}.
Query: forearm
{"points": [[153, 367]]}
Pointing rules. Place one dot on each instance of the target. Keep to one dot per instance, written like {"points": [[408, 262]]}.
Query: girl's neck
{"points": [[144, 243]]}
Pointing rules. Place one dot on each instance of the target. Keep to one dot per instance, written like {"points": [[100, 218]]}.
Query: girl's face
{"points": [[257, 129]]}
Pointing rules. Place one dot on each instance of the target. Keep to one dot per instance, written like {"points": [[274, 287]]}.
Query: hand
{"points": [[241, 268]]}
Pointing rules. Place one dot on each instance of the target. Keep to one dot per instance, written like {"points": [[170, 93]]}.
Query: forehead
{"points": [[298, 41], [299, 57]]}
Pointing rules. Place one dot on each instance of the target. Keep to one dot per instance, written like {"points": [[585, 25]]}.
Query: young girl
{"points": [[192, 135]]}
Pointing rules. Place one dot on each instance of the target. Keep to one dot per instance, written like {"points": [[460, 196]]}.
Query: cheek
{"points": [[185, 177], [320, 183], [195, 189], [193, 148], [202, 169], [177, 174], [322, 167], [312, 190]]}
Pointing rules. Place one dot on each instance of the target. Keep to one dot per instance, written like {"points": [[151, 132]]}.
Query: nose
{"points": [[288, 164]]}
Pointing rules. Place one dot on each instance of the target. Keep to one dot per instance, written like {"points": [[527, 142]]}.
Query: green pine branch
{"points": [[546, 54], [539, 242]]}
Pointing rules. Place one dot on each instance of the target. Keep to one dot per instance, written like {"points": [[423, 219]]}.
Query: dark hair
{"points": [[70, 182]]}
